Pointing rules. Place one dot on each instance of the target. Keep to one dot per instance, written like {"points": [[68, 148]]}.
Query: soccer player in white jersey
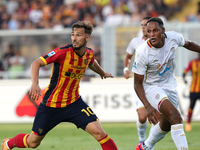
{"points": [[155, 84], [130, 51]]}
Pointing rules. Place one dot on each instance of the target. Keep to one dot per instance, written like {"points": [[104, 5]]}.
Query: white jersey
{"points": [[134, 44], [158, 64]]}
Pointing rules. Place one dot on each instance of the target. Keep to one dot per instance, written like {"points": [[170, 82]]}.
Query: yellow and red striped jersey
{"points": [[68, 68], [194, 67]]}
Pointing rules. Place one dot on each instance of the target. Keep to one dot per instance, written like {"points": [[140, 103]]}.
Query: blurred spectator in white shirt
{"points": [[35, 14], [11, 6]]}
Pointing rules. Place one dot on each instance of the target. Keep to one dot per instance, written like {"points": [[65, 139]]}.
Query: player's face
{"points": [[144, 27], [155, 33], [79, 38]]}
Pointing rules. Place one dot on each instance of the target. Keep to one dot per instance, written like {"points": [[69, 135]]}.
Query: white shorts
{"points": [[156, 95], [138, 103]]}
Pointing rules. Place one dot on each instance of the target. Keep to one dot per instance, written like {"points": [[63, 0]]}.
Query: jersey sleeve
{"points": [[140, 64], [178, 37], [181, 40], [93, 58], [52, 56], [130, 49]]}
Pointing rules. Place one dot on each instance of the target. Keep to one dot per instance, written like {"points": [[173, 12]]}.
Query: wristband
{"points": [[125, 69]]}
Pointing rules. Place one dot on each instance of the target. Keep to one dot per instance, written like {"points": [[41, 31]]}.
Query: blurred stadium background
{"points": [[29, 29]]}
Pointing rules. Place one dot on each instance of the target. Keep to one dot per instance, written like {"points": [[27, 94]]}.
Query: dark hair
{"points": [[146, 18], [156, 19], [84, 24]]}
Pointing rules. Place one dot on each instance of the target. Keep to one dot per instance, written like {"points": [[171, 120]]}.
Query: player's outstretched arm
{"points": [[35, 90], [193, 46], [97, 68]]}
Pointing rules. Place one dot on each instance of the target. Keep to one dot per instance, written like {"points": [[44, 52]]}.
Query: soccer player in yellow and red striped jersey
{"points": [[64, 86], [194, 67], [61, 100]]}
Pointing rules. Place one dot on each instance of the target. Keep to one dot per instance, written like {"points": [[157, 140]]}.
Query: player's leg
{"points": [[193, 99], [154, 95], [188, 126], [83, 117], [158, 98], [23, 141], [141, 127], [34, 141], [141, 124], [156, 134], [170, 112], [95, 129], [46, 118], [170, 118], [150, 131]]}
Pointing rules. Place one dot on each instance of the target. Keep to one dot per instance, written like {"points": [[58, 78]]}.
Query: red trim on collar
{"points": [[148, 42]]}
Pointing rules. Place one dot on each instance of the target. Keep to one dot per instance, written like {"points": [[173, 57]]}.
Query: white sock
{"points": [[141, 128], [178, 136], [152, 126], [156, 135]]}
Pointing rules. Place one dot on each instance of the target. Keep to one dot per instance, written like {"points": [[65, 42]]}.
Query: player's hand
{"points": [[35, 92], [127, 74], [106, 75], [185, 81], [153, 115]]}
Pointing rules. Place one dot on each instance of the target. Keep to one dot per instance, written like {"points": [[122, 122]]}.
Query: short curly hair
{"points": [[156, 19], [84, 24]]}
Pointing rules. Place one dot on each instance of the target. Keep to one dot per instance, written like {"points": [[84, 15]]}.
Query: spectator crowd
{"points": [[60, 14]]}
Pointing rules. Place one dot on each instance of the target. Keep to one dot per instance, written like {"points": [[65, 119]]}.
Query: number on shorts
{"points": [[88, 111]]}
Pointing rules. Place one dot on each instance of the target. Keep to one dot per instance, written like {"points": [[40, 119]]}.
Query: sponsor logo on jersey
{"points": [[79, 67], [134, 65], [168, 68], [51, 53], [73, 75]]}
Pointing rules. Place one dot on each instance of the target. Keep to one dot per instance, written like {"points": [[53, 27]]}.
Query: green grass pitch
{"points": [[66, 136]]}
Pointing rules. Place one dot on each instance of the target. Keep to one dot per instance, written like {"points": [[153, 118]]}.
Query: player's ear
{"points": [[87, 37], [163, 30]]}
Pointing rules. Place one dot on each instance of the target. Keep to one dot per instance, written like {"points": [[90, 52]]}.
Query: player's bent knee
{"points": [[176, 119], [100, 133], [142, 119], [142, 115], [33, 145]]}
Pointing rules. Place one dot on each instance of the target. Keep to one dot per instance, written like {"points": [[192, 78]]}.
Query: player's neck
{"points": [[80, 51], [145, 37], [160, 44]]}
